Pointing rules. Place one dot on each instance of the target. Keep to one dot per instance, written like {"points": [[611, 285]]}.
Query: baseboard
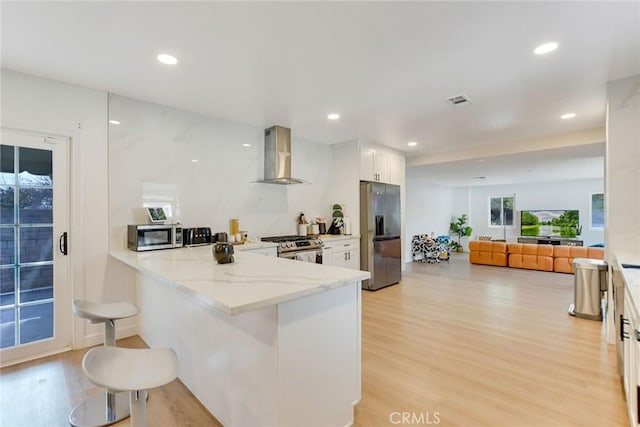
{"points": [[37, 356]]}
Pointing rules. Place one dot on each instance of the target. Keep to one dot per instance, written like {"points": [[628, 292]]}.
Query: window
{"points": [[501, 208], [597, 211]]}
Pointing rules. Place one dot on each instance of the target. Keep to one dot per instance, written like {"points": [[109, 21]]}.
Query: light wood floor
{"points": [[465, 345]]}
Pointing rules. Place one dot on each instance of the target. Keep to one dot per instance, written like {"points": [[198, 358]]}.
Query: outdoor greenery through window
{"points": [[597, 210], [501, 209]]}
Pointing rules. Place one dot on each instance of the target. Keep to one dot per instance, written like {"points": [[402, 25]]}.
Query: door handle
{"points": [[62, 244], [623, 322]]}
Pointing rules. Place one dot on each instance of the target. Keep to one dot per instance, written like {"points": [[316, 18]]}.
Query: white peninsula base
{"points": [[293, 363]]}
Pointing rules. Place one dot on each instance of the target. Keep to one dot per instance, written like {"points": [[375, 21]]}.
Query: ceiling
{"points": [[559, 164], [385, 67]]}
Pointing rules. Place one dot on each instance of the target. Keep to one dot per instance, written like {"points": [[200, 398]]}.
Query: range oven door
{"points": [[313, 255]]}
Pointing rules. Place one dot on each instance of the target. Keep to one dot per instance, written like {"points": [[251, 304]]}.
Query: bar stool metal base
{"points": [[93, 412]]}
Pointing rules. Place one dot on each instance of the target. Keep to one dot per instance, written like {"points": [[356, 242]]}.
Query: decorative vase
{"points": [[223, 253]]}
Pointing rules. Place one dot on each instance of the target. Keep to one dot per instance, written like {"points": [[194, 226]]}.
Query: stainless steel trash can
{"points": [[590, 279]]}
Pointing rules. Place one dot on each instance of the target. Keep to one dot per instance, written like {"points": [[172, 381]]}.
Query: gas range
{"points": [[294, 244]]}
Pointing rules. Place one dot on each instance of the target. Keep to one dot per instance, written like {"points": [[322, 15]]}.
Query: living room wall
{"points": [[574, 194], [430, 206]]}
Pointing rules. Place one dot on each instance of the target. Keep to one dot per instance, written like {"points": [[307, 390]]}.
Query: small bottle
{"points": [[234, 226]]}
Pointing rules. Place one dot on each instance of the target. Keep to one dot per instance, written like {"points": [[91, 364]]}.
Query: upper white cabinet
{"points": [[381, 167], [375, 165], [367, 165], [397, 165]]}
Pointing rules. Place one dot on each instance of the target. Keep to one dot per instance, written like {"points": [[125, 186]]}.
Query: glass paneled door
{"points": [[35, 309]]}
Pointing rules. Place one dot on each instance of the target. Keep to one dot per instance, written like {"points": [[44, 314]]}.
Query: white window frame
{"points": [[513, 223], [591, 226]]}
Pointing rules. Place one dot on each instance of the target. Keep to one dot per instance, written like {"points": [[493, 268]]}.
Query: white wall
{"points": [[54, 108], [429, 207], [155, 144], [623, 167], [622, 177], [543, 195], [344, 182]]}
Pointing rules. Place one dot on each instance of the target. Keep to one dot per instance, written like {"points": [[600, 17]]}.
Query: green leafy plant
{"points": [[459, 226]]}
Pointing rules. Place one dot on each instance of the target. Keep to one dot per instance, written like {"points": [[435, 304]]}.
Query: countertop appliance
{"points": [[380, 244], [196, 236], [148, 237], [302, 248]]}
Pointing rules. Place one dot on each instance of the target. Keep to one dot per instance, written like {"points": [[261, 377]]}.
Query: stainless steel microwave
{"points": [[148, 237]]}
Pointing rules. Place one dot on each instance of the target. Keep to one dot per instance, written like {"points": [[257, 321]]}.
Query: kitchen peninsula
{"points": [[262, 341]]}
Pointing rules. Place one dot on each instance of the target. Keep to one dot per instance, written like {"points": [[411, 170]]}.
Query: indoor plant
{"points": [[459, 226]]}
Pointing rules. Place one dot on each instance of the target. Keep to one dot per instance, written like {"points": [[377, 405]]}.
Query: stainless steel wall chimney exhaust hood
{"points": [[277, 157]]}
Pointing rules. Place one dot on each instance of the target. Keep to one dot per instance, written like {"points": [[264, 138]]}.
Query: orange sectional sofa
{"points": [[558, 258], [531, 256], [487, 252], [563, 256]]}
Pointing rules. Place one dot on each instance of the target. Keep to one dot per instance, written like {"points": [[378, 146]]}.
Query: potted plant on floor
{"points": [[460, 227]]}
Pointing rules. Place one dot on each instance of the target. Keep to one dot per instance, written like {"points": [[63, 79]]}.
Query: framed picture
{"points": [[156, 215]]}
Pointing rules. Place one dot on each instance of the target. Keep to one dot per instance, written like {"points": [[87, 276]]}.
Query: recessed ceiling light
{"points": [[412, 143], [246, 145], [165, 58], [545, 48], [114, 122], [568, 116], [194, 160], [333, 116]]}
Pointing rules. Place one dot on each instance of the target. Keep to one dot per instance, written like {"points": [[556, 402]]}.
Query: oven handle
{"points": [[293, 254]]}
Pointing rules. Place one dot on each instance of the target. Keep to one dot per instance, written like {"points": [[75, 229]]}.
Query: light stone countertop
{"points": [[248, 246], [631, 277], [329, 238], [252, 282]]}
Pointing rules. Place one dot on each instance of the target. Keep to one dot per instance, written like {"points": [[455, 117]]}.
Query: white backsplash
{"points": [[151, 157]]}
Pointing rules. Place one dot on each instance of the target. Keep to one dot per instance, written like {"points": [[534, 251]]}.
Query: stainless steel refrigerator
{"points": [[380, 248]]}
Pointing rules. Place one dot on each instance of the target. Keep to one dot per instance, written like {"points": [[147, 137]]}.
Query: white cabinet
{"points": [[632, 360], [380, 166], [367, 165], [327, 257], [346, 254], [374, 165], [396, 169]]}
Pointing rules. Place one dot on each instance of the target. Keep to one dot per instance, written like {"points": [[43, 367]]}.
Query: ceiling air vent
{"points": [[459, 100]]}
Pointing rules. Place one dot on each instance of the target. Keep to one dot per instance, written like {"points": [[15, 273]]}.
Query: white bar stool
{"points": [[102, 410], [131, 369]]}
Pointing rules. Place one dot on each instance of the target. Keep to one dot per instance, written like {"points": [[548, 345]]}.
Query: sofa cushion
{"points": [[564, 255], [488, 253], [531, 256]]}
